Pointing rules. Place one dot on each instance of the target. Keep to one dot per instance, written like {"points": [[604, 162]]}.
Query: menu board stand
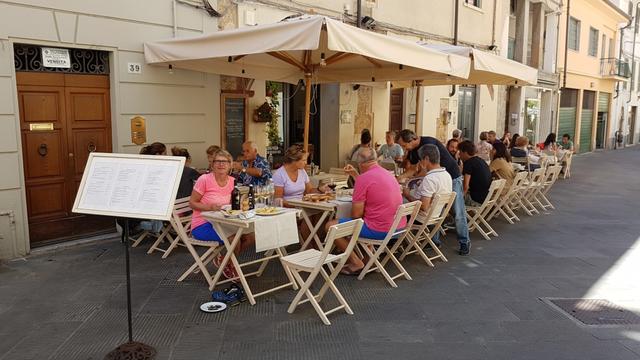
{"points": [[129, 186]]}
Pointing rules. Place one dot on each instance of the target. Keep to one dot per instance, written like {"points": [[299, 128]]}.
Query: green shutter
{"points": [[567, 121], [603, 102], [586, 125]]}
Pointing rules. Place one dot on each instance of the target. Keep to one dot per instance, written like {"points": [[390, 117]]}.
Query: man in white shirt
{"points": [[437, 180]]}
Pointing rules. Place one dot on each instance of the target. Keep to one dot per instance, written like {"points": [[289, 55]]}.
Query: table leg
{"points": [[314, 228], [231, 256]]}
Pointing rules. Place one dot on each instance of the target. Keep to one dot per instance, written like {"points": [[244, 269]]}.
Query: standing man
{"points": [[391, 152], [254, 169], [410, 142], [477, 175]]}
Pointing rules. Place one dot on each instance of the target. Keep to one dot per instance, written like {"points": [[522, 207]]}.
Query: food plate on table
{"points": [[213, 307], [269, 211], [318, 197], [345, 198], [231, 213]]}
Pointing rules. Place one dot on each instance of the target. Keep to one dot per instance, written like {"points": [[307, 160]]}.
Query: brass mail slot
{"points": [[41, 127], [138, 130]]}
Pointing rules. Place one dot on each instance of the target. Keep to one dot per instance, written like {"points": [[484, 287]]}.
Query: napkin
{"points": [[276, 231]]}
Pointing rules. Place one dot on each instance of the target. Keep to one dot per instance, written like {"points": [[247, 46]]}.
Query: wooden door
{"points": [[76, 107], [396, 109]]}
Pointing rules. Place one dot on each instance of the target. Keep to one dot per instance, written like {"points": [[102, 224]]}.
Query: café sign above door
{"points": [[56, 58]]}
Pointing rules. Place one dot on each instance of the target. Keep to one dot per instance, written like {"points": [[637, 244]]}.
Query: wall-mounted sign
{"points": [[40, 126], [138, 130], [56, 58], [134, 68]]}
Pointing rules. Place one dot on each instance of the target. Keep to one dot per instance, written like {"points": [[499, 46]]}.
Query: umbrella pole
{"points": [[418, 109], [307, 109]]}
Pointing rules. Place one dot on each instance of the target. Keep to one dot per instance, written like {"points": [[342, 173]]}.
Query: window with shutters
{"points": [[593, 41], [573, 40], [603, 53]]}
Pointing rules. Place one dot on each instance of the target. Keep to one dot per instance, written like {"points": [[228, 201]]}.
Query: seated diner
{"points": [[376, 197]]}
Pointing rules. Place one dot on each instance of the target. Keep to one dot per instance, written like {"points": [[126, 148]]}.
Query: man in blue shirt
{"points": [[254, 169], [411, 142]]}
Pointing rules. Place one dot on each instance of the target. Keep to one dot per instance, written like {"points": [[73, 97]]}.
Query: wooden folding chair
{"points": [[477, 215], [527, 188], [181, 207], [313, 262], [420, 236], [533, 185], [508, 198], [180, 221], [540, 194], [567, 164], [380, 246]]}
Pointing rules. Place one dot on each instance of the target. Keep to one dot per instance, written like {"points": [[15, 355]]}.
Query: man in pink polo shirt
{"points": [[376, 197]]}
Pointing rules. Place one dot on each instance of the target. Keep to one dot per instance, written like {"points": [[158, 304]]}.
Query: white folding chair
{"points": [[420, 236], [316, 263], [213, 248], [540, 194], [567, 164], [181, 207], [534, 183], [507, 199], [375, 248], [477, 215], [527, 188]]}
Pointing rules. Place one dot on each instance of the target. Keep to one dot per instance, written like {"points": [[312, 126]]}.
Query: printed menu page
{"points": [[137, 187]]}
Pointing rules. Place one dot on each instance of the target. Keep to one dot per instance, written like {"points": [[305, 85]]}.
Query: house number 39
{"points": [[134, 68]]}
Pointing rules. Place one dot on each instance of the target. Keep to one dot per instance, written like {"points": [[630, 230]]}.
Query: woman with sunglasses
{"points": [[210, 193]]}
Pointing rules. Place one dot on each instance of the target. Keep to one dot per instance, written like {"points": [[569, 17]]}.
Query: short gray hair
{"points": [[365, 154], [251, 145], [430, 153], [456, 133]]}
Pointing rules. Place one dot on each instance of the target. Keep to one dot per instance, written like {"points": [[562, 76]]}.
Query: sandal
{"points": [[346, 271]]}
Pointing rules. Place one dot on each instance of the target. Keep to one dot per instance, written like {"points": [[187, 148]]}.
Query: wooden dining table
{"points": [[234, 228], [338, 208]]}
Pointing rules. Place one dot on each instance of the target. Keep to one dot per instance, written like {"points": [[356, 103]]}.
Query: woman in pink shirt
{"points": [[210, 193]]}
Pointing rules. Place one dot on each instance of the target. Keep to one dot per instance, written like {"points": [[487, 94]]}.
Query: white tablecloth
{"points": [[275, 231]]}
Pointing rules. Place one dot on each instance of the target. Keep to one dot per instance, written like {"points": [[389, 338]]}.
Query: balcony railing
{"points": [[614, 67]]}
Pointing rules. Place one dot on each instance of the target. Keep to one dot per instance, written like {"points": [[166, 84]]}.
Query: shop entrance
{"points": [[63, 118]]}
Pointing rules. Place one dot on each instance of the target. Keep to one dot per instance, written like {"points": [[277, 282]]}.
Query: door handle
{"points": [[91, 147], [43, 150]]}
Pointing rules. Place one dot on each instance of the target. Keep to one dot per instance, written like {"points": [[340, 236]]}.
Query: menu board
{"points": [[234, 124], [133, 186]]}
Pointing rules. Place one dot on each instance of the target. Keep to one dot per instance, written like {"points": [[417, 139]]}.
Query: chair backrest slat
{"points": [[350, 228]]}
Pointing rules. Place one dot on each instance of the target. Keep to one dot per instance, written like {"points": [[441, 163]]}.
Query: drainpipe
{"points": [[455, 38], [566, 46], [175, 19], [359, 13], [633, 53], [493, 23], [620, 50]]}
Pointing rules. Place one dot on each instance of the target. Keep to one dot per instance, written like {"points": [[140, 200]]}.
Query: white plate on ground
{"points": [[213, 307]]}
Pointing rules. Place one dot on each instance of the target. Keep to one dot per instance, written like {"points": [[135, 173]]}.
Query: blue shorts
{"points": [[205, 232], [366, 232]]}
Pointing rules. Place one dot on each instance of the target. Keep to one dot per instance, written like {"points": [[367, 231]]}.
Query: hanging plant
{"points": [[264, 112]]}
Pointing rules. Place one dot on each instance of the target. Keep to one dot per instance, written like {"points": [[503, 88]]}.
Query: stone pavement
{"points": [[70, 303]]}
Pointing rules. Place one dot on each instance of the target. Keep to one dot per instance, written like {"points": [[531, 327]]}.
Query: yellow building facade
{"points": [[590, 68]]}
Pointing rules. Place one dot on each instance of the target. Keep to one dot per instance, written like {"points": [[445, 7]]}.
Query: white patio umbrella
{"points": [[315, 48], [486, 69]]}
